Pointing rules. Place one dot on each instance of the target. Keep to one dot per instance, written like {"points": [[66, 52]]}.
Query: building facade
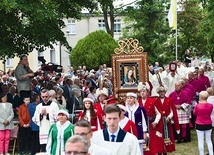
{"points": [[74, 31]]}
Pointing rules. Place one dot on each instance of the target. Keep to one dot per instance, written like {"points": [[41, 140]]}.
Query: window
{"points": [[101, 24], [9, 62], [40, 54], [117, 25], [71, 27], [52, 55]]}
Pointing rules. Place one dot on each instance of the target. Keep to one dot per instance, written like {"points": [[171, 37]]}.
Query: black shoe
{"points": [[22, 153], [28, 152], [186, 140]]}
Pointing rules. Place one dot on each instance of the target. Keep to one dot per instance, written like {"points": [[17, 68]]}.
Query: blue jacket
{"points": [[32, 109]]}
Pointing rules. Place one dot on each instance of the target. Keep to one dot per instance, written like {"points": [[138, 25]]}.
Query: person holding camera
{"points": [[23, 74]]}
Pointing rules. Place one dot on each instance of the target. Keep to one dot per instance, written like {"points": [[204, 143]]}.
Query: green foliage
{"points": [[207, 26], [147, 23], [29, 24], [190, 34], [106, 8], [93, 50]]}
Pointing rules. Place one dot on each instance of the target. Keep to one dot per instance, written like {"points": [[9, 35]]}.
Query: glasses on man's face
{"points": [[75, 153], [44, 96], [83, 134]]}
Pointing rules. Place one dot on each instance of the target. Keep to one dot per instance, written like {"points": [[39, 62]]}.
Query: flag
{"points": [[172, 14]]}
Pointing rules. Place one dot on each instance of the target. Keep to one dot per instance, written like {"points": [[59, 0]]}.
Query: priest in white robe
{"points": [[44, 116]]}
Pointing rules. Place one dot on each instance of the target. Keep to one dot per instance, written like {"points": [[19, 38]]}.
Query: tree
{"points": [[190, 34], [29, 24], [207, 27], [109, 12], [147, 22], [93, 50]]}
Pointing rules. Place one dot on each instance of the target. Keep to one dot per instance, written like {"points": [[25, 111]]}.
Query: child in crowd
{"points": [[24, 130]]}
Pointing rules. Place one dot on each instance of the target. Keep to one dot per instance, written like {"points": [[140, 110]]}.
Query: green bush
{"points": [[93, 50]]}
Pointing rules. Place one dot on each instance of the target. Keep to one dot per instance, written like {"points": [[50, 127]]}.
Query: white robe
{"points": [[97, 150], [129, 146], [210, 75], [170, 83], [45, 124], [155, 84], [211, 101]]}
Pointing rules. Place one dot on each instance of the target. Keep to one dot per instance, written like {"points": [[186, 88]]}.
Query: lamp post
{"points": [[60, 53]]}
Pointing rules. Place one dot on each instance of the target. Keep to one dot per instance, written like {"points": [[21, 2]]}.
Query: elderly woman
{"points": [[6, 124], [138, 115], [92, 93], [203, 122], [59, 133]]}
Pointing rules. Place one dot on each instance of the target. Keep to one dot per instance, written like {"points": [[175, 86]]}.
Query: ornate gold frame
{"points": [[128, 56]]}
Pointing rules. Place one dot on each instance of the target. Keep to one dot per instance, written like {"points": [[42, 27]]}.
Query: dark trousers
{"points": [[35, 146], [25, 137], [179, 136], [212, 137], [193, 118], [43, 147]]}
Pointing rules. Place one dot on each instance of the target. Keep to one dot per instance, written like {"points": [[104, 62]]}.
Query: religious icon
{"points": [[172, 67], [130, 77], [129, 67]]}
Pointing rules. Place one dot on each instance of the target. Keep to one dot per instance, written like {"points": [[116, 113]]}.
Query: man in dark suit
{"points": [[67, 88], [73, 105]]}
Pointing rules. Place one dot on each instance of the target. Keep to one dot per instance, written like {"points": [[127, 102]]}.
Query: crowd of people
{"points": [[76, 112]]}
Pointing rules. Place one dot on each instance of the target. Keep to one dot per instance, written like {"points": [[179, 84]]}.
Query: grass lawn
{"points": [[190, 148]]}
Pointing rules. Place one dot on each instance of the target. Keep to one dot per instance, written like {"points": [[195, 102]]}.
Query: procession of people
{"points": [[79, 107]]}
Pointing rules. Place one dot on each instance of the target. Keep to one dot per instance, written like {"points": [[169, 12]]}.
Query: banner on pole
{"points": [[172, 15]]}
